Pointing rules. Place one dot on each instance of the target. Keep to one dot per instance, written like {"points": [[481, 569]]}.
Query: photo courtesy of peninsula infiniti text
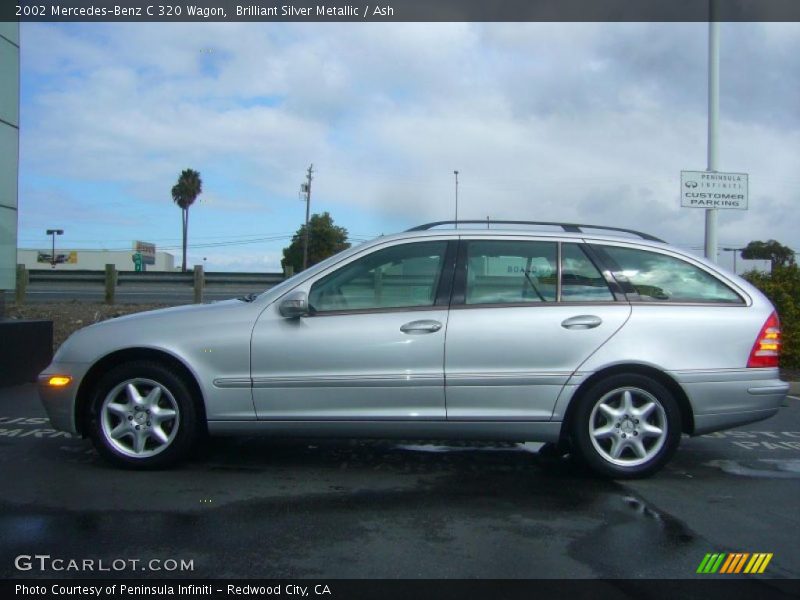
{"points": [[605, 342]]}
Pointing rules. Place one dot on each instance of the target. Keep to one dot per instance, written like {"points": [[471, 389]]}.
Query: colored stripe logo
{"points": [[734, 563]]}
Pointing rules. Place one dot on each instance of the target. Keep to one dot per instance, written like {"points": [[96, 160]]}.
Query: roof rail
{"points": [[570, 227]]}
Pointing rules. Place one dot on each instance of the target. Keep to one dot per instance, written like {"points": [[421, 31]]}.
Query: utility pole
{"points": [[456, 174], [306, 187], [713, 124]]}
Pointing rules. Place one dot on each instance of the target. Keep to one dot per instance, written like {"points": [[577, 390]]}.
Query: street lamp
{"points": [[734, 250], [456, 174], [54, 233]]}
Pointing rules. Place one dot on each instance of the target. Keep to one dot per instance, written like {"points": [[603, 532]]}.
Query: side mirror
{"points": [[294, 306]]}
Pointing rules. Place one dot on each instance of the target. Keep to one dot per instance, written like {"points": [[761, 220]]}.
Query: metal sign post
{"points": [[138, 264], [713, 126]]}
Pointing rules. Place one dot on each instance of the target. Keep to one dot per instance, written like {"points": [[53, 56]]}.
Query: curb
{"points": [[794, 388]]}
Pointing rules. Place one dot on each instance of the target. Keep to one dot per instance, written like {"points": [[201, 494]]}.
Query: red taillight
{"points": [[767, 349]]}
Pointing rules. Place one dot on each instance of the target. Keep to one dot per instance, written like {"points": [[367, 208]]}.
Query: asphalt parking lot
{"points": [[256, 507]]}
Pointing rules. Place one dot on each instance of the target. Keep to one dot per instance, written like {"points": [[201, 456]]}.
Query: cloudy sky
{"points": [[572, 122]]}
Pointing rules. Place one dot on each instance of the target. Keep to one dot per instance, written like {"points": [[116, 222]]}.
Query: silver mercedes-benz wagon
{"points": [[604, 342]]}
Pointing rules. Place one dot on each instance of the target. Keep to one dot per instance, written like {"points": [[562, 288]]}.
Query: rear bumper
{"points": [[728, 398], [709, 423]]}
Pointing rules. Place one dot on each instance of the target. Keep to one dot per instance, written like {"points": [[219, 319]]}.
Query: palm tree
{"points": [[184, 193]]}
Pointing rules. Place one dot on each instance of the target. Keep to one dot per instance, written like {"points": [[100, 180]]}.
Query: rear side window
{"points": [[661, 278], [510, 272]]}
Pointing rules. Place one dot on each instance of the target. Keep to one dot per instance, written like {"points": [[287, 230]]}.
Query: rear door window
{"points": [[511, 272], [658, 277]]}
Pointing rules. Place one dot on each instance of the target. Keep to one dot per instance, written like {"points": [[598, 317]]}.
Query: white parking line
{"points": [[793, 397]]}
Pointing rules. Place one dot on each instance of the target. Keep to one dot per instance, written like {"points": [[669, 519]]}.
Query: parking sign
{"points": [[707, 189]]}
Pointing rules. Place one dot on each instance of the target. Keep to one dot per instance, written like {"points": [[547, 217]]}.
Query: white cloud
{"points": [[584, 122]]}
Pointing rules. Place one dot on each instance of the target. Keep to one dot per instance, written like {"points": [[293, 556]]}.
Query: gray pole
{"points": [[713, 126], [456, 174], [54, 233], [308, 206], [735, 251]]}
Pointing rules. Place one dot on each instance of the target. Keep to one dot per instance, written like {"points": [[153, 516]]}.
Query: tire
{"points": [[142, 416], [612, 434]]}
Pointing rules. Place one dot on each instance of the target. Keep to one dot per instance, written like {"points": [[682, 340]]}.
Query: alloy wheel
{"points": [[628, 426], [139, 418]]}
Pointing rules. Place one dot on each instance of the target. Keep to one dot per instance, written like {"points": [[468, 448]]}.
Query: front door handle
{"points": [[582, 322], [424, 326]]}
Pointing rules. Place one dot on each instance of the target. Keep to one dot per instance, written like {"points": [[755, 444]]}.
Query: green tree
{"points": [[771, 250], [184, 193], [324, 239]]}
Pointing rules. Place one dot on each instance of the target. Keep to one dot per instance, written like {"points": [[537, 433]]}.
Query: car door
{"points": [[372, 346], [525, 314]]}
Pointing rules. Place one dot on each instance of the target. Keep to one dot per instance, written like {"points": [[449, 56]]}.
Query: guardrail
{"points": [[110, 279], [211, 277]]}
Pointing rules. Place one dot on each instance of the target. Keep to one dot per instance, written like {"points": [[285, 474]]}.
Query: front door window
{"points": [[402, 276]]}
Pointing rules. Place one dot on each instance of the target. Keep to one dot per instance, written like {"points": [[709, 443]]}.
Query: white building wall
{"points": [[92, 260], [9, 151]]}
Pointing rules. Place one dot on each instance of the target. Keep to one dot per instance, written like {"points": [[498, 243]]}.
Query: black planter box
{"points": [[26, 348]]}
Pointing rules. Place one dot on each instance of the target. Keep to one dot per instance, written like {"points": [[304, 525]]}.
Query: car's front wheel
{"points": [[626, 426], [142, 416]]}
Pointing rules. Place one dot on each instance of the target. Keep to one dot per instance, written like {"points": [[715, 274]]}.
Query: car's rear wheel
{"points": [[626, 426], [142, 416]]}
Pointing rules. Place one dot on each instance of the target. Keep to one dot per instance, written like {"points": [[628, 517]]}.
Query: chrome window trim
{"points": [[382, 310]]}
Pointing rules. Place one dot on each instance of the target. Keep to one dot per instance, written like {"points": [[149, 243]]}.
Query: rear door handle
{"points": [[582, 322], [424, 326]]}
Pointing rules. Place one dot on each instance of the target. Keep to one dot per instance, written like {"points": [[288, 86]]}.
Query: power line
{"points": [[208, 245]]}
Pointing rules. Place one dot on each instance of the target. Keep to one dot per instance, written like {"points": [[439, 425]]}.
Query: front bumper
{"points": [[60, 403]]}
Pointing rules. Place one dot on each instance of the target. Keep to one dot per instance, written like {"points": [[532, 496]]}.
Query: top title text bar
{"points": [[399, 10]]}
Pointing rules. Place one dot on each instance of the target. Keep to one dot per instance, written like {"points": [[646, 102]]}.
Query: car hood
{"points": [[171, 312]]}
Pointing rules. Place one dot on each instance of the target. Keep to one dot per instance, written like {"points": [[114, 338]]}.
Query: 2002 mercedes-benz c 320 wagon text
{"points": [[611, 344]]}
